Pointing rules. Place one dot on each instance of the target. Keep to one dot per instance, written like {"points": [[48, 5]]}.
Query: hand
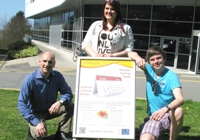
{"points": [[54, 108], [41, 130], [99, 55], [140, 62], [107, 55], [157, 115]]}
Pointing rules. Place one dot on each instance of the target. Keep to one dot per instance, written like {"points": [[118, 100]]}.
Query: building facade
{"points": [[171, 24]]}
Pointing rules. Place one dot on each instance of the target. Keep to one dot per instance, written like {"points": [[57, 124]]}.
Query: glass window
{"points": [[96, 10], [71, 16], [184, 46], [77, 13], [139, 27], [88, 23], [141, 42], [141, 53], [171, 29], [182, 61], [66, 17], [64, 35], [194, 52], [169, 45], [171, 12], [68, 26], [197, 14], [154, 41], [124, 7], [196, 26], [48, 33], [36, 23], [93, 10], [139, 11], [169, 59]]}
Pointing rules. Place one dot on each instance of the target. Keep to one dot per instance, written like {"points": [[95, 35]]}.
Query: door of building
{"points": [[195, 62], [170, 46], [197, 50], [198, 56]]}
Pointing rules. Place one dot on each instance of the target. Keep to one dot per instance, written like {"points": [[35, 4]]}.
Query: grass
{"points": [[14, 127]]}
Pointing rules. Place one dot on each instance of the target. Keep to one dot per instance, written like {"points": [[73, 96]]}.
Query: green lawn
{"points": [[14, 127]]}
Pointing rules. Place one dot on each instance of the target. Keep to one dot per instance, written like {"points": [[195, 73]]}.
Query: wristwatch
{"points": [[168, 108], [61, 102]]}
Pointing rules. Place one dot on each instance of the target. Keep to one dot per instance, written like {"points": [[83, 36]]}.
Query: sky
{"points": [[9, 8]]}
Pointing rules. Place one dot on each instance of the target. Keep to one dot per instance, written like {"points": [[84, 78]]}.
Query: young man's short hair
{"points": [[155, 50]]}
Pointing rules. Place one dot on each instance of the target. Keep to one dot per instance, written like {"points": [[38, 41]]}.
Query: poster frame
{"points": [[77, 98]]}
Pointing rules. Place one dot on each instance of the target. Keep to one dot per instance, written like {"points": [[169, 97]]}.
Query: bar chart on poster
{"points": [[104, 98]]}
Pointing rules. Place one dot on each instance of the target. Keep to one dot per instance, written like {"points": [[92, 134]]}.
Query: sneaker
{"points": [[65, 136]]}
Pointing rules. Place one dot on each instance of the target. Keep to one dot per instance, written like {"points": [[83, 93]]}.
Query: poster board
{"points": [[104, 98]]}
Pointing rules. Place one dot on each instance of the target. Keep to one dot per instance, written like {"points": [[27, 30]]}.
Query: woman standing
{"points": [[109, 37]]}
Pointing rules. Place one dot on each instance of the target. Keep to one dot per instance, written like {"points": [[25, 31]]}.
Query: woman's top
{"points": [[108, 41]]}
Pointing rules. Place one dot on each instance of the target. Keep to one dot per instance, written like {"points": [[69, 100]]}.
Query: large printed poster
{"points": [[105, 98]]}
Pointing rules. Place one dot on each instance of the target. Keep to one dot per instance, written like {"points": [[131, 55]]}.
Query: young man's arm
{"points": [[140, 62], [176, 115], [179, 100]]}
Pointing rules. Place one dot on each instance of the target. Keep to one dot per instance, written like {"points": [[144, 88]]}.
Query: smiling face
{"points": [[46, 63], [109, 13], [156, 57], [157, 61]]}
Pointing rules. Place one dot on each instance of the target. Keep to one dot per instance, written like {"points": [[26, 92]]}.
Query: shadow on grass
{"points": [[51, 137]]}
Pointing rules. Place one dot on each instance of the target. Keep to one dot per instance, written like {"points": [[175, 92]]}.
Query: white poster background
{"points": [[105, 98]]}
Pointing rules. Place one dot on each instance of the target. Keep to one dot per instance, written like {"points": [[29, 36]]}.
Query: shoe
{"points": [[29, 135], [65, 136]]}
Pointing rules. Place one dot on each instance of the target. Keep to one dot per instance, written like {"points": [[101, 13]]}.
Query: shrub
{"points": [[26, 52], [11, 54]]}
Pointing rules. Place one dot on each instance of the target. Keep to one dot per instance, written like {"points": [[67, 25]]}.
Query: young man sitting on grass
{"points": [[164, 96]]}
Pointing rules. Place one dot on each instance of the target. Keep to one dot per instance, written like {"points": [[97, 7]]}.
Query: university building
{"points": [[171, 24]]}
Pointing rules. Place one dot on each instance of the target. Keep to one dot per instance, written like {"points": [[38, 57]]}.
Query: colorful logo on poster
{"points": [[103, 114]]}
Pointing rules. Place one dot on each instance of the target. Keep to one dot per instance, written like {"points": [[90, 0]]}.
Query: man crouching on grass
{"points": [[37, 100], [164, 96]]}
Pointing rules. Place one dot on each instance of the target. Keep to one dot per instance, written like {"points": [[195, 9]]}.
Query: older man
{"points": [[38, 101]]}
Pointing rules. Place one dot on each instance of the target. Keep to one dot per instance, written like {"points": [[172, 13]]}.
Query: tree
{"points": [[14, 31], [3, 21]]}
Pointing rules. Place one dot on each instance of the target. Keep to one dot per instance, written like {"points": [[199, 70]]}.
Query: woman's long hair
{"points": [[119, 19]]}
